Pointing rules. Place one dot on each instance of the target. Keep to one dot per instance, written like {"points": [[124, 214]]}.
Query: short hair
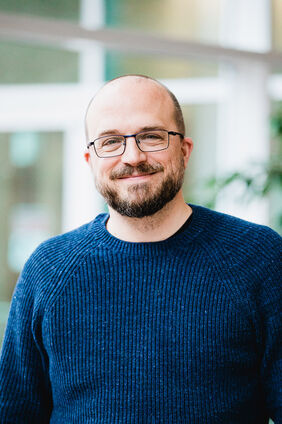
{"points": [[178, 115]]}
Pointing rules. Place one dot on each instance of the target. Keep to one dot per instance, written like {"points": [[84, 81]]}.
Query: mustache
{"points": [[143, 168]]}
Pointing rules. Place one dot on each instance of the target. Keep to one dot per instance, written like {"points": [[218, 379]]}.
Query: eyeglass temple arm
{"points": [[176, 133]]}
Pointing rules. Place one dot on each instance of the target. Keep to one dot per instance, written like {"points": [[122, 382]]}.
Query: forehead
{"points": [[128, 105]]}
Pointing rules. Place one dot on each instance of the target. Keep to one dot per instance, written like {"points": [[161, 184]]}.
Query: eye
{"points": [[153, 139], [111, 141], [153, 136]]}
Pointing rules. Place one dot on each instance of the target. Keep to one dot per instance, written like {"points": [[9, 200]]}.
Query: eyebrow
{"points": [[147, 128]]}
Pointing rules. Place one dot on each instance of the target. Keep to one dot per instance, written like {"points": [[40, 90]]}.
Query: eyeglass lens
{"points": [[148, 141]]}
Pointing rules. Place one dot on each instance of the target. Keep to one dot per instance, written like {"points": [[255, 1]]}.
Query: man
{"points": [[158, 312]]}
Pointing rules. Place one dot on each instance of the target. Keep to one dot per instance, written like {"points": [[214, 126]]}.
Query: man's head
{"points": [[137, 183]]}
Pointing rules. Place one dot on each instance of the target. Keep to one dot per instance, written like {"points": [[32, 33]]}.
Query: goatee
{"points": [[149, 201]]}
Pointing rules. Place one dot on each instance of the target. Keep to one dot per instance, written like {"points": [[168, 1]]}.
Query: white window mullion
{"points": [[243, 118], [81, 201]]}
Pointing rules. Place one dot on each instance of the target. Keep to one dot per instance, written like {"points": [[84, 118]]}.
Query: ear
{"points": [[87, 156], [187, 147]]}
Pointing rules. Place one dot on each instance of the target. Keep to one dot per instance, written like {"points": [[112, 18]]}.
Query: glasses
{"points": [[147, 141]]}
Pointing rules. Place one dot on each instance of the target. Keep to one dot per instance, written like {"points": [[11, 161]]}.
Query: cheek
{"points": [[161, 158], [169, 161], [102, 169]]}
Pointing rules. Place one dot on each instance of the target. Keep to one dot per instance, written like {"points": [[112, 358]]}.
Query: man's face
{"points": [[136, 184]]}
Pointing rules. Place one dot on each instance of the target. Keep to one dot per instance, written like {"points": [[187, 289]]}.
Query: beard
{"points": [[148, 200]]}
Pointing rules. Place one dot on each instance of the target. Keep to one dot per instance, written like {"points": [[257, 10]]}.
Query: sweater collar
{"points": [[178, 240]]}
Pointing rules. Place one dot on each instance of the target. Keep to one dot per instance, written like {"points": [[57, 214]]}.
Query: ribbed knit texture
{"points": [[185, 330]]}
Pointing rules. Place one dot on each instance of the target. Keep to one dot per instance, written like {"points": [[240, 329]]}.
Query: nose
{"points": [[133, 155]]}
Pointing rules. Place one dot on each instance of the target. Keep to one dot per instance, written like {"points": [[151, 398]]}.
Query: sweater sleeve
{"points": [[25, 395], [270, 300]]}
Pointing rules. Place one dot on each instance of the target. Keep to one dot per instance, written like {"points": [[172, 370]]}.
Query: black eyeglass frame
{"points": [[92, 143]]}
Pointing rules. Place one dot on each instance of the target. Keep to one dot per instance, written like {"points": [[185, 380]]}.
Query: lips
{"points": [[136, 175], [139, 171]]}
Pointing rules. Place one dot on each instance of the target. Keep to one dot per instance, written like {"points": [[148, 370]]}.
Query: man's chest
{"points": [[139, 322]]}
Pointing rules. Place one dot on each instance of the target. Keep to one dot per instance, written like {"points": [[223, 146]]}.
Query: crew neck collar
{"points": [[178, 240]]}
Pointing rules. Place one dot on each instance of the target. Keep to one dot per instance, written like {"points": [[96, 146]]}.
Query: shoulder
{"points": [[61, 248], [246, 256], [237, 240], [56, 259]]}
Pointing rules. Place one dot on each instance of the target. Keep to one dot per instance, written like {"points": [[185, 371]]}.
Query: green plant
{"points": [[261, 179]]}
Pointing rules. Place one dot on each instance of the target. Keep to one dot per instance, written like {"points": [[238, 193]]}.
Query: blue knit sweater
{"points": [[185, 330]]}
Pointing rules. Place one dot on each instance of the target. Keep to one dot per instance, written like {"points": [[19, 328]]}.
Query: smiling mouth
{"points": [[133, 176], [141, 171]]}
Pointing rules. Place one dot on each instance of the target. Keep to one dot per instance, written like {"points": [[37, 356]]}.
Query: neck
{"points": [[157, 227]]}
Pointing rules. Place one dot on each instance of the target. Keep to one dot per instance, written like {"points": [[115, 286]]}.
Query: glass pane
{"points": [[25, 63], [118, 63], [277, 25], [29, 64], [30, 201], [201, 126], [189, 19], [60, 9], [275, 176]]}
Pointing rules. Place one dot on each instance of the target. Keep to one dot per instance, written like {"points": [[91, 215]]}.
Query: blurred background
{"points": [[221, 58]]}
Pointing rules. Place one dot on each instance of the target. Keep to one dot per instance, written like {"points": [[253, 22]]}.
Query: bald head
{"points": [[121, 88]]}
